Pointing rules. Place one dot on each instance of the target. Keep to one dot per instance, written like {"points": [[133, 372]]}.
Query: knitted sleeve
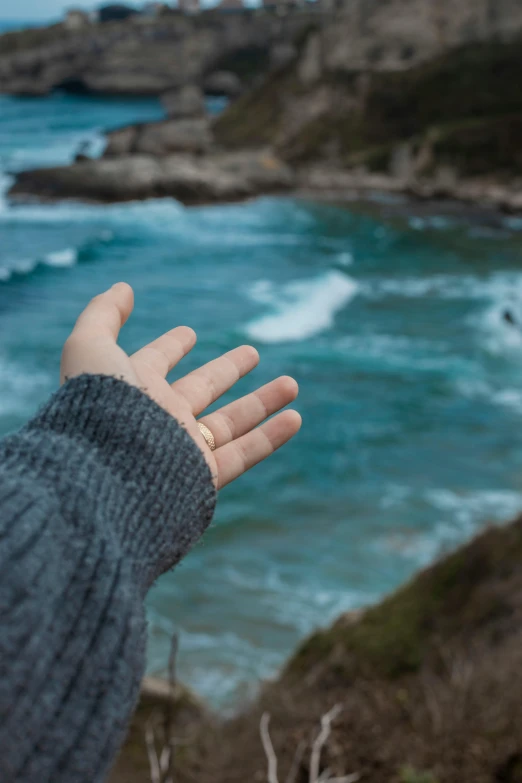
{"points": [[99, 494]]}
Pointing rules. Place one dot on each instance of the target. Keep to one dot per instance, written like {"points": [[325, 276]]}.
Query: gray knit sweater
{"points": [[100, 493]]}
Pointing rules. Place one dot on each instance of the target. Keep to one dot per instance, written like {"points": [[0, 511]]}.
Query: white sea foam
{"points": [[499, 287], [478, 389], [461, 516], [345, 259], [160, 214], [433, 221], [95, 144], [21, 389], [62, 258], [24, 266], [499, 336], [412, 354], [476, 507], [300, 309]]}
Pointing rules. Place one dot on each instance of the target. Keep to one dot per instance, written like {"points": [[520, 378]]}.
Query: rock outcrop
{"points": [[188, 101], [190, 179], [428, 129], [142, 55], [160, 138], [223, 83]]}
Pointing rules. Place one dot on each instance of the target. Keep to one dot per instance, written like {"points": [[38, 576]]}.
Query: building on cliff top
{"points": [[189, 6], [76, 19], [115, 12], [230, 5]]}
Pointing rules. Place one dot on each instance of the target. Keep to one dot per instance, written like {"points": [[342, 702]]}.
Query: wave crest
{"points": [[301, 309]]}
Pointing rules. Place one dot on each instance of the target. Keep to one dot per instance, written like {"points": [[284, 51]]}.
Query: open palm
{"points": [[240, 443]]}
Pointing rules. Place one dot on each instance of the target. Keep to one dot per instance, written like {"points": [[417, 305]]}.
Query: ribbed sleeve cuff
{"points": [[153, 477]]}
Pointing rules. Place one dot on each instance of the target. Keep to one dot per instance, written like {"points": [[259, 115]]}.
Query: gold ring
{"points": [[211, 443]]}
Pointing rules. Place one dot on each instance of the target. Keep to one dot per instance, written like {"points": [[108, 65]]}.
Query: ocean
{"points": [[411, 381]]}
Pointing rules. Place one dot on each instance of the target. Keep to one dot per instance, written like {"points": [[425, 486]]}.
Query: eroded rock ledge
{"points": [[190, 179]]}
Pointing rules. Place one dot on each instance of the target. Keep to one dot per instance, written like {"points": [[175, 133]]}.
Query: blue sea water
{"points": [[411, 381]]}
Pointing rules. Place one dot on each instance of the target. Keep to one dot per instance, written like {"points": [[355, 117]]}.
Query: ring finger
{"points": [[239, 417]]}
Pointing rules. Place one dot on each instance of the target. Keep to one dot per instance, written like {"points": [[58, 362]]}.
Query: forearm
{"points": [[99, 494]]}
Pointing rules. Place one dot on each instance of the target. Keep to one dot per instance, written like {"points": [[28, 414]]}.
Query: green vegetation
{"points": [[246, 62], [20, 40], [254, 119], [410, 775], [459, 596], [466, 105]]}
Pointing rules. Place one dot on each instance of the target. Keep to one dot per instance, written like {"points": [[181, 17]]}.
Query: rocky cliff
{"points": [[144, 56], [448, 124]]}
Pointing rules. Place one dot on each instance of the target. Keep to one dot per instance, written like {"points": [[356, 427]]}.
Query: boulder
{"points": [[188, 178], [188, 101], [163, 138], [223, 83]]}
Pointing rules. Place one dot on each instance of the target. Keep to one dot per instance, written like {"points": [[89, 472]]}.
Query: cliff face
{"points": [[142, 56], [456, 113], [396, 34]]}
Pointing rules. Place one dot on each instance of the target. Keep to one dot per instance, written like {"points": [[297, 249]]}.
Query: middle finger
{"points": [[205, 385]]}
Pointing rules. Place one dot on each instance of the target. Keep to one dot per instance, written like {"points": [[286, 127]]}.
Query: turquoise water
{"points": [[411, 382]]}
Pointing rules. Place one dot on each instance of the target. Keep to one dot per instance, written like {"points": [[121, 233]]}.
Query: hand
{"points": [[92, 348]]}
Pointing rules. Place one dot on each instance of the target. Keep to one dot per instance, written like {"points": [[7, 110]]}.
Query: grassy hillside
{"points": [[465, 107], [427, 685]]}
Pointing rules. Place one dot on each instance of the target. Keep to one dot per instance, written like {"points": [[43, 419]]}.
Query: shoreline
{"points": [[489, 202]]}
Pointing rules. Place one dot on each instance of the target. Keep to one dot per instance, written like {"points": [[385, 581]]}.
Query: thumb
{"points": [[92, 347], [106, 313]]}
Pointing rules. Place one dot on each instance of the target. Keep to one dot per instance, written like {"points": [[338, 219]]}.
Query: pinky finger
{"points": [[240, 455]]}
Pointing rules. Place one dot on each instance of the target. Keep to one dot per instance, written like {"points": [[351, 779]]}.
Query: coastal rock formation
{"points": [[426, 129], [190, 179], [189, 101], [223, 83], [144, 55], [439, 119], [160, 138]]}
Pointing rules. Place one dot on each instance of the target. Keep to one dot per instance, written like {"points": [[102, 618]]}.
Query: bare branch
{"points": [[353, 778], [320, 740], [168, 755], [268, 748], [160, 730], [324, 776], [155, 773], [296, 763]]}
